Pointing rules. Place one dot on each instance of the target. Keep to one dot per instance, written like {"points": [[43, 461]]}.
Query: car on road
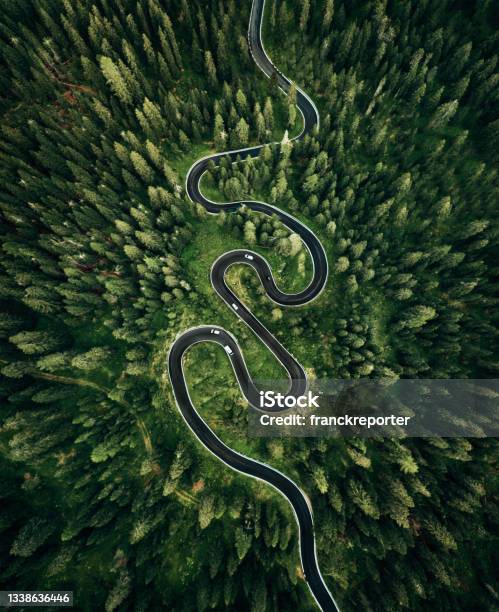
{"points": [[228, 350], [235, 306], [215, 331], [247, 256]]}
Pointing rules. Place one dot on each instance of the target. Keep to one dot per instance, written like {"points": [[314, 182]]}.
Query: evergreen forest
{"points": [[104, 260]]}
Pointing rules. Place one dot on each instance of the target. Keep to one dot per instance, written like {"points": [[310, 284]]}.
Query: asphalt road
{"points": [[296, 373]]}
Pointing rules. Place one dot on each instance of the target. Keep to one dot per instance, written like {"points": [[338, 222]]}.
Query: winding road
{"points": [[297, 376]]}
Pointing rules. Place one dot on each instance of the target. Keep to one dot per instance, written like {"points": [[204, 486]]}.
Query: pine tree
{"points": [[210, 68], [240, 135], [219, 134], [268, 114], [328, 15], [443, 114], [142, 167], [115, 80], [250, 232], [304, 15], [241, 103]]}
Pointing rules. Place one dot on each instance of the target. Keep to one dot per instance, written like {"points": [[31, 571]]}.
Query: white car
{"points": [[249, 256], [228, 350], [215, 331], [235, 306]]}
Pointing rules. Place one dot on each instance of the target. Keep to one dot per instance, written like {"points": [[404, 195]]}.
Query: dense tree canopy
{"points": [[104, 260]]}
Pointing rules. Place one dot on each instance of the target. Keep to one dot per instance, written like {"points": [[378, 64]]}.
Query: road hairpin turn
{"points": [[296, 373]]}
